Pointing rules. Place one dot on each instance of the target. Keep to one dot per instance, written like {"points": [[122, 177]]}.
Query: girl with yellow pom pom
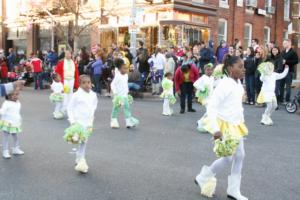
{"points": [[119, 87], [267, 93], [81, 111], [204, 86], [225, 120], [167, 94]]}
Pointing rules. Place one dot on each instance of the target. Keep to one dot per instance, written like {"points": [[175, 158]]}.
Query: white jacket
{"points": [[10, 112], [119, 85], [226, 103], [82, 107], [269, 84], [159, 61]]}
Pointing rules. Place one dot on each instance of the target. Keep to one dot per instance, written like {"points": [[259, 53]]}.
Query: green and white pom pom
{"points": [[202, 95], [9, 128], [166, 84], [266, 68], [218, 72], [120, 101], [56, 97], [226, 147], [171, 97], [76, 134]]}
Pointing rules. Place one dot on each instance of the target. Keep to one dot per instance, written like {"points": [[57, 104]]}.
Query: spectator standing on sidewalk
{"points": [[11, 59], [291, 59], [37, 69]]}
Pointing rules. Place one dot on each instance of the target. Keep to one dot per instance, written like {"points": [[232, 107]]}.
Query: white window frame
{"points": [[222, 20], [240, 3], [267, 40], [223, 4], [249, 40], [286, 10]]}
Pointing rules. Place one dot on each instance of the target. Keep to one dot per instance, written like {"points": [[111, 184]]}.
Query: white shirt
{"points": [[119, 85], [159, 61], [226, 103], [269, 82], [57, 87], [82, 107], [10, 112]]}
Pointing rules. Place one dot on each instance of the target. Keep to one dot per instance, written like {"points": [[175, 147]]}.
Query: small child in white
{"points": [[57, 96], [168, 95], [267, 93], [10, 123], [119, 87], [204, 86], [81, 109]]}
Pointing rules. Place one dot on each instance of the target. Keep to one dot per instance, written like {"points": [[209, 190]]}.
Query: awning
{"points": [[181, 22]]}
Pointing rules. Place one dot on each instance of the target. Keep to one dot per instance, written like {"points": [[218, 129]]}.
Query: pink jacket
{"points": [[179, 76]]}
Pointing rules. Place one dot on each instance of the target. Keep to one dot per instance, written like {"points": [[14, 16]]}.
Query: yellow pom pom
{"points": [[66, 89]]}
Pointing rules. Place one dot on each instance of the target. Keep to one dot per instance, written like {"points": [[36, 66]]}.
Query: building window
{"points": [[247, 35], [287, 10], [268, 3], [240, 3], [222, 30], [267, 34], [223, 3], [285, 34]]}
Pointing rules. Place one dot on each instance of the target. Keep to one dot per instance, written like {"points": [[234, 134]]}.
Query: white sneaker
{"points": [[131, 122], [6, 154], [114, 123], [82, 166], [17, 151], [264, 120], [233, 190]]}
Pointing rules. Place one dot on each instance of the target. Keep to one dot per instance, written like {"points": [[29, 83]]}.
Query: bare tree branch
{"points": [[91, 23]]}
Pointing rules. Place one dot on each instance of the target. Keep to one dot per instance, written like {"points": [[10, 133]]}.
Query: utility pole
{"points": [[133, 31]]}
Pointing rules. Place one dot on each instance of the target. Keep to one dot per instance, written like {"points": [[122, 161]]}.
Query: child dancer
{"points": [[57, 96], [225, 119], [204, 86], [81, 111], [119, 87], [168, 95], [10, 123], [267, 94]]}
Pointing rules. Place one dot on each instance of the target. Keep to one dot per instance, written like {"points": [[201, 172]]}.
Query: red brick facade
{"points": [[237, 16]]}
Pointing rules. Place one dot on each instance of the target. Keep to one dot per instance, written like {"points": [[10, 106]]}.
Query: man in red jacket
{"points": [[184, 78], [37, 68], [68, 71]]}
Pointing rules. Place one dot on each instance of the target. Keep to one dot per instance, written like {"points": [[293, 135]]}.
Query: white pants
{"points": [[5, 142], [237, 161], [81, 151], [67, 97], [166, 107], [58, 107], [271, 106]]}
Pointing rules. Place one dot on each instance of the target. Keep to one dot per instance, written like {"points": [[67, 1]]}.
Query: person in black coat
{"points": [[249, 63], [291, 59], [276, 58]]}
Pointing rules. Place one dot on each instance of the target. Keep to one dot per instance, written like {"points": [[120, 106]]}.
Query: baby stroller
{"points": [[292, 106]]}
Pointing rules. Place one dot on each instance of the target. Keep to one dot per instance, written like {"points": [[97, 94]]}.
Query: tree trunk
{"points": [[76, 44]]}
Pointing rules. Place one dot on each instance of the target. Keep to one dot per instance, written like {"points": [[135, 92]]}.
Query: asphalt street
{"points": [[158, 160]]}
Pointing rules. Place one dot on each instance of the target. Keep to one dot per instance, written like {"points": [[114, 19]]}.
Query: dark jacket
{"points": [[278, 63], [291, 59], [250, 66]]}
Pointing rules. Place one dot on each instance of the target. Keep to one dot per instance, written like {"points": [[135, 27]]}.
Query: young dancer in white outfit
{"points": [[225, 119], [81, 111], [10, 123], [267, 93], [57, 96], [168, 94]]}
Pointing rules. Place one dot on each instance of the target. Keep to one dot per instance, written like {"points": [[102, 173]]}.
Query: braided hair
{"points": [[229, 61]]}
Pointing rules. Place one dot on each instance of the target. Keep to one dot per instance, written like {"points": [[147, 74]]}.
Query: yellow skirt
{"points": [[237, 131]]}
